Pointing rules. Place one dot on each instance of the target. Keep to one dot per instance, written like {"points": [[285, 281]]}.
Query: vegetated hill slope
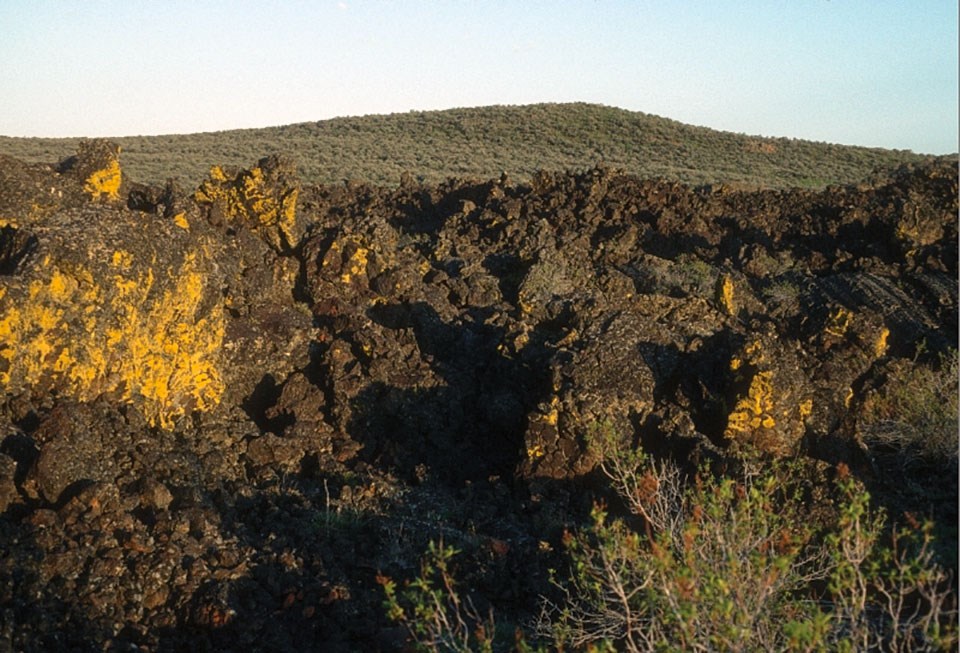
{"points": [[483, 142]]}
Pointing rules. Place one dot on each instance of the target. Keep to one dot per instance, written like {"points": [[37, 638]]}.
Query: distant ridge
{"points": [[483, 142]]}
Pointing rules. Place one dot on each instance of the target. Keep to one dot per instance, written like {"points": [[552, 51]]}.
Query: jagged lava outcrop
{"points": [[161, 345]]}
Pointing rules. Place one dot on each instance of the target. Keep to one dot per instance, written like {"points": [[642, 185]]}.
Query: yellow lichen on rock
{"points": [[755, 410], [9, 342], [159, 352], [880, 346], [287, 215], [257, 197], [34, 333], [105, 181], [725, 296], [173, 349], [268, 209], [351, 259], [253, 190], [122, 259], [356, 265], [61, 286], [752, 354], [213, 191], [770, 405], [552, 414], [838, 322], [217, 173]]}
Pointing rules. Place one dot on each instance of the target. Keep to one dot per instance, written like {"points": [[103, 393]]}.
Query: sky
{"points": [[879, 73]]}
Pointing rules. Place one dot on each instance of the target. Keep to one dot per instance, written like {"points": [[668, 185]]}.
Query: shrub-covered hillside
{"points": [[484, 142]]}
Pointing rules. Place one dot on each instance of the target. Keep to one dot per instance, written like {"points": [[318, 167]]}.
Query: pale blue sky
{"points": [[879, 73]]}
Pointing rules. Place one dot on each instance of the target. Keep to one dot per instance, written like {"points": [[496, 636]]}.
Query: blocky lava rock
{"points": [[72, 451], [156, 311], [8, 487], [197, 385]]}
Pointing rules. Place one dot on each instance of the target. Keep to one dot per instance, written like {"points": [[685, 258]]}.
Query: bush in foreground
{"points": [[733, 564], [433, 611], [915, 415], [714, 564]]}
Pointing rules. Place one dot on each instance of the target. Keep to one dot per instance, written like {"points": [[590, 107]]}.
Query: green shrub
{"points": [[482, 142], [915, 414], [891, 597], [433, 611], [731, 564], [714, 564]]}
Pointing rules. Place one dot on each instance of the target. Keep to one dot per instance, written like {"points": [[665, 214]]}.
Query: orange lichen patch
{"points": [[160, 351], [725, 295], [266, 206], [217, 173], [838, 322], [356, 265], [105, 181], [180, 220], [755, 410], [551, 415], [121, 259], [752, 354], [253, 198], [348, 259], [880, 345], [522, 340], [805, 408], [174, 350], [535, 452]]}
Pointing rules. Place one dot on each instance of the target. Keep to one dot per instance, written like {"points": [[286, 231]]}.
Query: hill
{"points": [[483, 142]]}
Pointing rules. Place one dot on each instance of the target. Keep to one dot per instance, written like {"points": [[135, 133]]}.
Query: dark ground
{"points": [[226, 411]]}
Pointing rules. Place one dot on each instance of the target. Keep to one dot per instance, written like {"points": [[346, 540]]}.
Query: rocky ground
{"points": [[227, 409]]}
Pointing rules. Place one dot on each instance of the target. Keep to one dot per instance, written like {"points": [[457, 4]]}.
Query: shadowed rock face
{"points": [[160, 349]]}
